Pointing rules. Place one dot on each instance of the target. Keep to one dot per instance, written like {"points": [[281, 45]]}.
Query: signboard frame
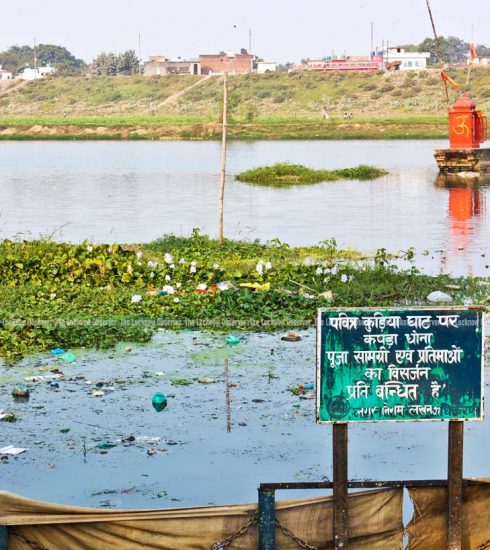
{"points": [[478, 309]]}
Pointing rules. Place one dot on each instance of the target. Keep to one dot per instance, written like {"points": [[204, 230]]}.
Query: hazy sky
{"points": [[282, 30]]}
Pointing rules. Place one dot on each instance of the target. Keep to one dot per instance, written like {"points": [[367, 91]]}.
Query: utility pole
{"points": [[35, 59], [139, 54], [223, 158], [372, 41]]}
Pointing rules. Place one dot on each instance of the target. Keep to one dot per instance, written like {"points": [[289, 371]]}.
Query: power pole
{"points": [[35, 59], [223, 158], [139, 54], [372, 40]]}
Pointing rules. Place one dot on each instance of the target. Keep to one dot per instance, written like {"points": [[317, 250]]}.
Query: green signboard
{"points": [[400, 364]]}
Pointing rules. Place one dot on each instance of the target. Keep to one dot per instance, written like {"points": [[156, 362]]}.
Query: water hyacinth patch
{"points": [[72, 288]]}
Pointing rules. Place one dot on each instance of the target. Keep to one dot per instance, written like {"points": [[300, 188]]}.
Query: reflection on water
{"points": [[466, 207], [137, 191]]}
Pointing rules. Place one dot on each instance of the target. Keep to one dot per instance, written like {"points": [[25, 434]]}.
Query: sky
{"points": [[282, 30]]}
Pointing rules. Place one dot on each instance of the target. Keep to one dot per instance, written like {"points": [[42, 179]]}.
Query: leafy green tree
{"points": [[482, 51], [452, 49], [128, 63], [111, 64], [105, 64], [17, 57]]}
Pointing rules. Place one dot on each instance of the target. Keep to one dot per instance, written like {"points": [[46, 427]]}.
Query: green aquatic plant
{"points": [[96, 295], [284, 173]]}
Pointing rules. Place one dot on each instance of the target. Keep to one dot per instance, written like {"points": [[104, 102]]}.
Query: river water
{"points": [[203, 451], [137, 191]]}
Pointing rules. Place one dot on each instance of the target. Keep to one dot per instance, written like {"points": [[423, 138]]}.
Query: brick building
{"points": [[231, 62], [158, 65]]}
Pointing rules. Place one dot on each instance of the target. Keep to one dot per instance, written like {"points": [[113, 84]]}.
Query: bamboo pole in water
{"points": [[223, 158]]}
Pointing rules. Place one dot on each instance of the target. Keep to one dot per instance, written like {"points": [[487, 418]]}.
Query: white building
{"points": [[5, 75], [266, 67], [32, 74], [480, 61], [410, 61]]}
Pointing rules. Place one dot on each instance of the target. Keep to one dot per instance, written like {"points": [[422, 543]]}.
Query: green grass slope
{"points": [[268, 97]]}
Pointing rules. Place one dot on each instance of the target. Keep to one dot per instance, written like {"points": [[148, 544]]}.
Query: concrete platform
{"points": [[452, 161]]}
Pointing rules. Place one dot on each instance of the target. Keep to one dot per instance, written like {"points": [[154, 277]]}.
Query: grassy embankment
{"points": [[283, 174], [64, 295], [273, 106]]}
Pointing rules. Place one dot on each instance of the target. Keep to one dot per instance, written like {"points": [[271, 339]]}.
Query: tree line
{"points": [[16, 58], [453, 50]]}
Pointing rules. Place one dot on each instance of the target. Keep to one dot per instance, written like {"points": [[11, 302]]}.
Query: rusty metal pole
{"points": [[267, 519], [340, 478], [4, 538], [455, 485]]}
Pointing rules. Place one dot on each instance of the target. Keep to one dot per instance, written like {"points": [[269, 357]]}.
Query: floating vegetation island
{"points": [[284, 173]]}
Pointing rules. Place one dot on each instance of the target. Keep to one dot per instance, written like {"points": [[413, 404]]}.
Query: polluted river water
{"points": [[92, 435], [115, 450]]}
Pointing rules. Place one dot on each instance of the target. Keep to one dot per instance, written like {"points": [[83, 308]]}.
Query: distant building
{"points": [[5, 75], [266, 67], [231, 62], [32, 74], [409, 61], [159, 65], [480, 61], [344, 63]]}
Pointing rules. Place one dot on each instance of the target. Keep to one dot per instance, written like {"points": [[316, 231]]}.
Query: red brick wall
{"points": [[241, 63]]}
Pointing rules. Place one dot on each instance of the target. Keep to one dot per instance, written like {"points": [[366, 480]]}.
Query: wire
{"points": [[438, 51]]}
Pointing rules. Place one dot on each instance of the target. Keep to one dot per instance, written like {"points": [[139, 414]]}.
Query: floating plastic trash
{"points": [[68, 357], [225, 285], [256, 286], [232, 340], [438, 296], [20, 390], [310, 386], [291, 337], [11, 450], [34, 378], [159, 401], [57, 351], [106, 445], [206, 380]]}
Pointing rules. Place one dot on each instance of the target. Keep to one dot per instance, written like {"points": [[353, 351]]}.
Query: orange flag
{"points": [[473, 54], [447, 78]]}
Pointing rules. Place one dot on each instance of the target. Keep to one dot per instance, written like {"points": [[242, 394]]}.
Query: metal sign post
{"points": [[340, 480], [455, 485]]}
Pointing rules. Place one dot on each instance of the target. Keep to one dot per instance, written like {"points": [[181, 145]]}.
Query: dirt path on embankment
{"points": [[174, 97], [212, 130], [9, 86]]}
